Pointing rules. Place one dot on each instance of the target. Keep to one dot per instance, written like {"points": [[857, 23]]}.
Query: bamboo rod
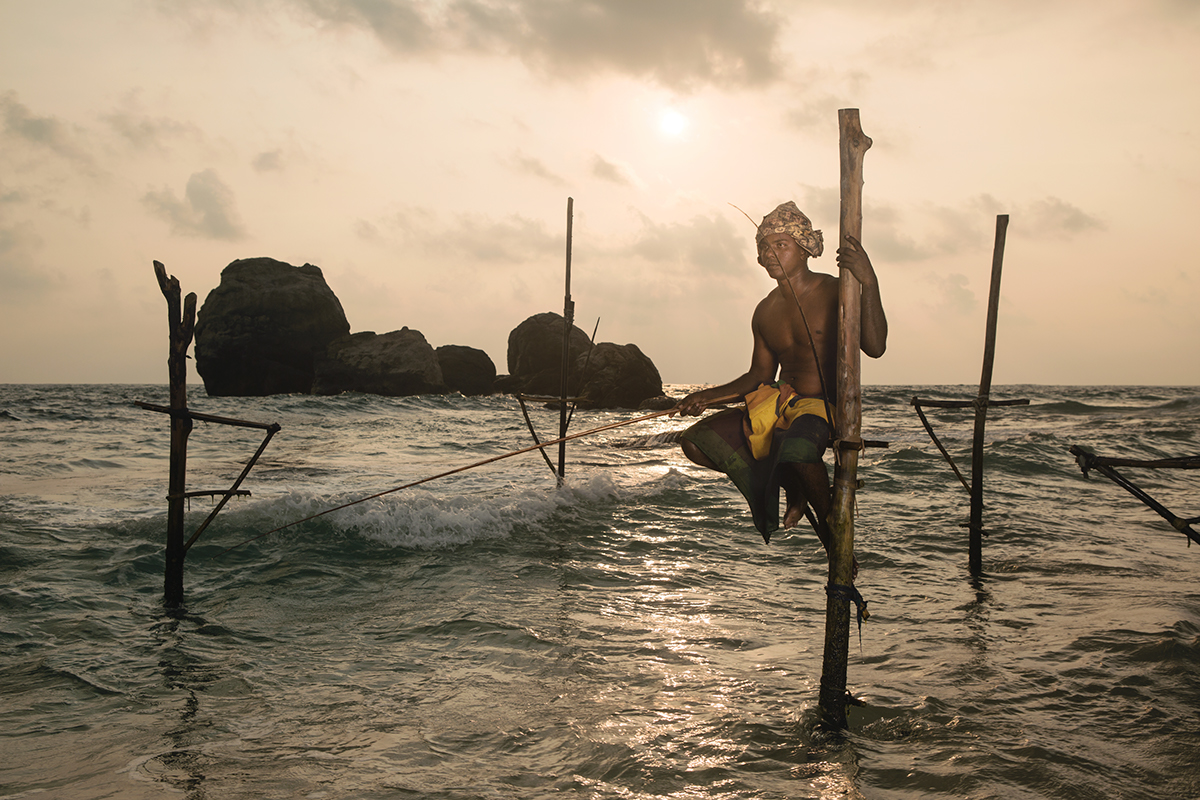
{"points": [[853, 144], [491, 460]]}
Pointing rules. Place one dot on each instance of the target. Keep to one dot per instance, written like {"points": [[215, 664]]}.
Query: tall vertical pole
{"points": [[975, 526], [180, 321], [568, 322], [853, 145]]}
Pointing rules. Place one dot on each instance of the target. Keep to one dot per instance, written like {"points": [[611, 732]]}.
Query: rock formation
{"points": [[395, 364], [610, 375], [535, 354], [617, 376], [467, 370], [260, 331]]}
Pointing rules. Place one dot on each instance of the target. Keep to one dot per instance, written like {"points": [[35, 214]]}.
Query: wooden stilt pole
{"points": [[568, 323], [181, 321], [853, 145], [975, 526]]}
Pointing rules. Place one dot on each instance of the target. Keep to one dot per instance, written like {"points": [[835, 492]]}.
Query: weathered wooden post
{"points": [[981, 404], [181, 322], [975, 525], [568, 322], [853, 145]]}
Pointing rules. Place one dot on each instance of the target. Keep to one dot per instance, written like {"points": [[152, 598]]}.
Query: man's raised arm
{"points": [[874, 327]]}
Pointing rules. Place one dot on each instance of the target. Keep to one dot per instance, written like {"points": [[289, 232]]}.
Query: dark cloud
{"points": [[49, 133], [681, 44], [709, 245], [148, 133], [468, 239], [535, 167], [268, 161], [1053, 218], [21, 277], [207, 209], [950, 295], [606, 170]]}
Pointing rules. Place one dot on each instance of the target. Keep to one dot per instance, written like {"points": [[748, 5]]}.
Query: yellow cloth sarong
{"points": [[775, 407]]}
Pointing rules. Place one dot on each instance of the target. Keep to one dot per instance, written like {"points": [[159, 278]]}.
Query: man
{"points": [[779, 439]]}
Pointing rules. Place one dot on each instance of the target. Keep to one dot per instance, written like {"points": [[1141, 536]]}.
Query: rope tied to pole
{"points": [[851, 595]]}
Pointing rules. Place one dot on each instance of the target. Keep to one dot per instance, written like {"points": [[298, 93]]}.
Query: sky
{"points": [[422, 152]]}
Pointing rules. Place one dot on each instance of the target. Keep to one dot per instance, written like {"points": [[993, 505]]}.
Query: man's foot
{"points": [[793, 515]]}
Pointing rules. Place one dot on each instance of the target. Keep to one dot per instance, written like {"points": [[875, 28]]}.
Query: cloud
{"points": [[20, 275], [468, 239], [268, 161], [710, 245], [1053, 218], [143, 132], [207, 209], [609, 171], [949, 295], [535, 167], [49, 133], [680, 44]]}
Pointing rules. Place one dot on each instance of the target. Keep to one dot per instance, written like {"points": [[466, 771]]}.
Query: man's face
{"points": [[781, 255]]}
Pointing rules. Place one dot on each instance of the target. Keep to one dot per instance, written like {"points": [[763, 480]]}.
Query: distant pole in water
{"points": [[853, 145], [568, 322], [975, 526], [181, 321], [981, 403]]}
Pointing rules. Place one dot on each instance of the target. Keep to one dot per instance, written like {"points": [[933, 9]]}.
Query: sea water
{"points": [[627, 634]]}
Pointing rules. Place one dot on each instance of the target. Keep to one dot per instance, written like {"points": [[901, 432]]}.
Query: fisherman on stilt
{"points": [[779, 438]]}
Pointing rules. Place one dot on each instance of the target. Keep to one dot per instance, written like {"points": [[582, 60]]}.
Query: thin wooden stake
{"points": [[975, 526], [853, 145], [180, 322], [568, 323]]}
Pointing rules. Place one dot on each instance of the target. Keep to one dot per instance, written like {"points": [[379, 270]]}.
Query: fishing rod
{"points": [[531, 448]]}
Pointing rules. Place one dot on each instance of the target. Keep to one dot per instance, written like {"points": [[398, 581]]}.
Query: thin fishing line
{"points": [[529, 449]]}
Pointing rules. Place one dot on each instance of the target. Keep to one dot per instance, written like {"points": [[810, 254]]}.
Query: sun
{"points": [[671, 123]]}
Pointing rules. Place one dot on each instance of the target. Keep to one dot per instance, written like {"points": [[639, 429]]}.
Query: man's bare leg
{"points": [[696, 455], [804, 484]]}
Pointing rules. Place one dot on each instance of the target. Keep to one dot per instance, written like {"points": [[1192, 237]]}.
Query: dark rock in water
{"points": [[508, 384], [260, 331], [660, 403], [466, 369], [535, 354], [617, 376], [610, 375], [396, 364]]}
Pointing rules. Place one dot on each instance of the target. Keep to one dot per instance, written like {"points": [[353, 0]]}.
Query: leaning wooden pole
{"points": [[181, 321], [975, 525], [853, 145], [568, 323]]}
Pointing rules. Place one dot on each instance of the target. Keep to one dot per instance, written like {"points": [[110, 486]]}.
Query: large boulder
{"points": [[466, 369], [535, 354], [617, 376], [260, 331], [609, 375], [396, 364]]}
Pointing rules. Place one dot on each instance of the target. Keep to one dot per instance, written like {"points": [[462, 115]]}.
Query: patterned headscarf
{"points": [[791, 220]]}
